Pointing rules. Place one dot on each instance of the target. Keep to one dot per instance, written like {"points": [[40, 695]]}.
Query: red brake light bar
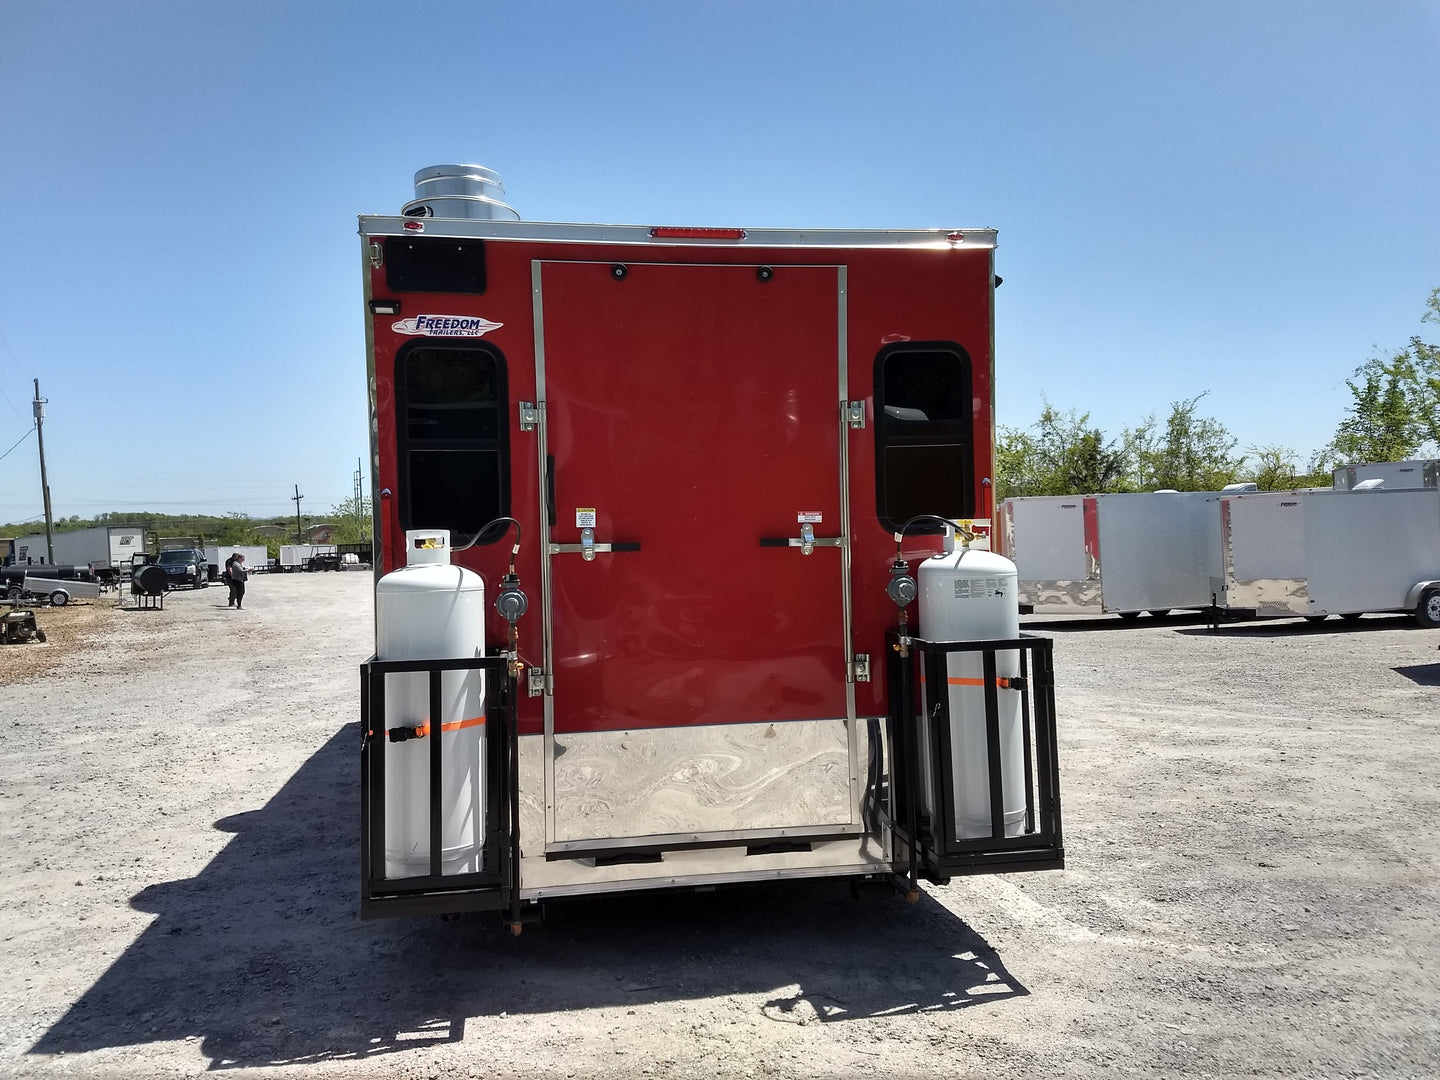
{"points": [[671, 232]]}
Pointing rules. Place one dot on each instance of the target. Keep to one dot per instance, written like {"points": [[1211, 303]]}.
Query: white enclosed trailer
{"points": [[1321, 553], [1121, 553], [1160, 551], [1053, 543], [1395, 474], [298, 556], [107, 548]]}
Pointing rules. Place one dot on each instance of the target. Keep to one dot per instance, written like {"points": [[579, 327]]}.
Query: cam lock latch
{"points": [[807, 541]]}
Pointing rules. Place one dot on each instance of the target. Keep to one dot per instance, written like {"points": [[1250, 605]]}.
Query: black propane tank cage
{"points": [[922, 803], [489, 889]]}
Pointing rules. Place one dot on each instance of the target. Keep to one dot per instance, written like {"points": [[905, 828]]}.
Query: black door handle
{"points": [[550, 489]]}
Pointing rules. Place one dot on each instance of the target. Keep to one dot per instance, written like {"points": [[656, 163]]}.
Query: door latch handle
{"points": [[807, 541], [588, 548]]}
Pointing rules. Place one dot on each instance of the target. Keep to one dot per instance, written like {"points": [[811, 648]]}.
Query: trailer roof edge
{"points": [[562, 232]]}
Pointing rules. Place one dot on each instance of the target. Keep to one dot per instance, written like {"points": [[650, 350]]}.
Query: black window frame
{"points": [[894, 433], [406, 446]]}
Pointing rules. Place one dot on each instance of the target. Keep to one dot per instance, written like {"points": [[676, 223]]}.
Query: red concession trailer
{"points": [[677, 464]]}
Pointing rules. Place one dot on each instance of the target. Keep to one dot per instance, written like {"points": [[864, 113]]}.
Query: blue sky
{"points": [[1237, 198]]}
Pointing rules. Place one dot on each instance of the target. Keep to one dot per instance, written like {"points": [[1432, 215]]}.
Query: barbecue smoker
{"points": [[669, 589]]}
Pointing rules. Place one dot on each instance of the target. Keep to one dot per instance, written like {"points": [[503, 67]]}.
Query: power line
{"points": [[17, 443]]}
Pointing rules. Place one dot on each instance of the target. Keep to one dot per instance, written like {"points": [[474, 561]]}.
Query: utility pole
{"points": [[39, 407], [299, 535]]}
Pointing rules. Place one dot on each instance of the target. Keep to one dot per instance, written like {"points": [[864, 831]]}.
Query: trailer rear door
{"points": [[692, 422]]}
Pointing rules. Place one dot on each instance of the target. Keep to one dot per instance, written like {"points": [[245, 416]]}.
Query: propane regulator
{"points": [[511, 603], [901, 588]]}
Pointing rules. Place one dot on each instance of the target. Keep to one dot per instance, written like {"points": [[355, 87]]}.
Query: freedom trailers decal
{"points": [[465, 326]]}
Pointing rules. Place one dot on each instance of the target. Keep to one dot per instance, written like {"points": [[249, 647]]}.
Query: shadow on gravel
{"points": [[1294, 627], [263, 957], [1421, 674], [1113, 622]]}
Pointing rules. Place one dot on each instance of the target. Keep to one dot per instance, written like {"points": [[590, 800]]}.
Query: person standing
{"points": [[237, 579], [230, 562]]}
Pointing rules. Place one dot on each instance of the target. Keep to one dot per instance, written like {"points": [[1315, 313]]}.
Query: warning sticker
{"points": [[585, 517], [977, 588], [814, 517]]}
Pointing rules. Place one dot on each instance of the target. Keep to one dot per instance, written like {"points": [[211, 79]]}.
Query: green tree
{"points": [[351, 518], [1194, 453], [1385, 420], [1427, 371], [1061, 454], [1276, 468], [1395, 403]]}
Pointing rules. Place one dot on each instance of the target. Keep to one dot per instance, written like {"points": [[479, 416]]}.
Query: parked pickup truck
{"points": [[185, 566]]}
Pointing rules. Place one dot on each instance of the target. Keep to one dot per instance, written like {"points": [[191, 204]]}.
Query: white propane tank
{"points": [[431, 610], [971, 595]]}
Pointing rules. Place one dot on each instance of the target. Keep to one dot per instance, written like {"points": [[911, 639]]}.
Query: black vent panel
{"points": [[435, 265]]}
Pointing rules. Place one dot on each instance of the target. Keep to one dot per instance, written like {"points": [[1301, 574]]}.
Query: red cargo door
{"points": [[693, 411]]}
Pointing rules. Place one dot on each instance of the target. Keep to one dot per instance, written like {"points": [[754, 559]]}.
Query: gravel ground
{"points": [[1252, 886]]}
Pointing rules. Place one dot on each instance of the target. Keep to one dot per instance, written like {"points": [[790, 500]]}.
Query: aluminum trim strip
{"points": [[846, 551], [569, 232], [713, 866], [717, 838], [376, 531], [990, 510], [542, 444]]}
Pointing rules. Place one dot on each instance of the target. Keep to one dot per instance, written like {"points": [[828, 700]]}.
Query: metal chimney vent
{"points": [[459, 191]]}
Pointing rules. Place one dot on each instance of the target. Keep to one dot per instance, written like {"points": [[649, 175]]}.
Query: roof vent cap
{"points": [[459, 191]]}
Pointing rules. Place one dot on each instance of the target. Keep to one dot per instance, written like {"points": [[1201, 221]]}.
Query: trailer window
{"points": [[453, 445], [924, 434]]}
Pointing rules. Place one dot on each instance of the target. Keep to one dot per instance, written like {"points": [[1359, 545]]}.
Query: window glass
{"points": [[453, 442], [924, 433], [450, 394], [923, 386], [925, 480], [453, 489]]}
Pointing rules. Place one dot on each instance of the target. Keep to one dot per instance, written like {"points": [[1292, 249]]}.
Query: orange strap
{"points": [[421, 730], [1001, 682]]}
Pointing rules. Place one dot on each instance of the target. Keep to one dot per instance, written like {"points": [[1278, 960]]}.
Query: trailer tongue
{"points": [[698, 449]]}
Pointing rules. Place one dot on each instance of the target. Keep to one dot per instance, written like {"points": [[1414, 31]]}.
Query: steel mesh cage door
{"points": [[925, 781], [488, 888]]}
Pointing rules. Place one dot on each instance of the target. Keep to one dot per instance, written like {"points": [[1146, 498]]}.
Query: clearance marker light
{"points": [[670, 232]]}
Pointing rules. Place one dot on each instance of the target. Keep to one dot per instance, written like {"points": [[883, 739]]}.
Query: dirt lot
{"points": [[1252, 885]]}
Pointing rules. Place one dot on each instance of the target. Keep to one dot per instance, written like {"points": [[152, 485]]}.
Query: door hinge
{"points": [[855, 414], [529, 416], [860, 669], [539, 682]]}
